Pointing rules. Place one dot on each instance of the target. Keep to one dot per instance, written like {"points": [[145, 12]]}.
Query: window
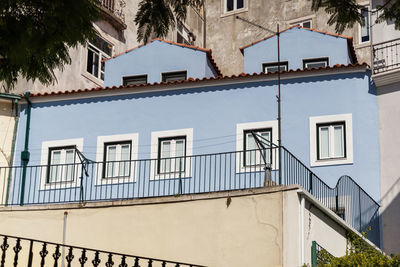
{"points": [[133, 80], [304, 24], [250, 157], [231, 5], [315, 63], [117, 159], [171, 155], [252, 154], [171, 151], [330, 139], [174, 76], [117, 155], [182, 34], [272, 67], [98, 50], [364, 30], [61, 164]]}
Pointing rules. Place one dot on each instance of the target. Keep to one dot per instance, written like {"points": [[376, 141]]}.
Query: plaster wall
{"points": [[384, 31], [389, 131], [247, 232], [154, 59], [213, 112], [309, 45], [226, 34]]}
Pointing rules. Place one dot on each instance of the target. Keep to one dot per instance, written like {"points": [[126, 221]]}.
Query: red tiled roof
{"points": [[349, 40], [191, 80], [208, 51]]}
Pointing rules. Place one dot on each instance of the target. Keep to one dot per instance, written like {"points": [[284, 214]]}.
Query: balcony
{"points": [[90, 181], [113, 12]]}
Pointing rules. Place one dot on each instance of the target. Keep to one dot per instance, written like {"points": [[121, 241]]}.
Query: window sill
{"points": [[93, 79], [362, 45], [234, 12], [329, 162]]}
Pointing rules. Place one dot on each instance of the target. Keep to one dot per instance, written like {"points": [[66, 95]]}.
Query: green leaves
{"points": [[343, 13], [36, 36], [155, 17]]}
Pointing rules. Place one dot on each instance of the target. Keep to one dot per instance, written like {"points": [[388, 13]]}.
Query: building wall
{"points": [[7, 122], [226, 34], [207, 231], [385, 30], [215, 116], [309, 45], [389, 130], [154, 59]]}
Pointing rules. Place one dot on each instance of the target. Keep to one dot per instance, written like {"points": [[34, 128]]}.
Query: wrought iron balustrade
{"points": [[98, 181], [386, 56], [18, 251]]}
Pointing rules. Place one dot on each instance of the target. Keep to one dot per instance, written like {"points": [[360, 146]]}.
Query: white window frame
{"points": [[301, 23], [235, 9], [46, 145], [284, 64], [317, 120], [331, 145], [101, 55], [101, 140], [185, 33], [172, 157], [155, 136], [360, 27], [315, 60], [240, 128]]}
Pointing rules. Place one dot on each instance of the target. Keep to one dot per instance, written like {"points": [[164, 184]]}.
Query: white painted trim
{"points": [[134, 138], [154, 153], [193, 85], [78, 142], [240, 128], [226, 13], [347, 118]]}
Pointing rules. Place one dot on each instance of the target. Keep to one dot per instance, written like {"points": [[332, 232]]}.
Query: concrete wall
{"points": [[309, 44], [385, 30], [7, 123], [226, 34], [389, 131], [207, 231], [154, 59]]}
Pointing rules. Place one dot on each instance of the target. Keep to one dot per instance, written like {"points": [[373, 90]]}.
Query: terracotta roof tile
{"points": [[191, 80], [349, 40], [208, 51]]}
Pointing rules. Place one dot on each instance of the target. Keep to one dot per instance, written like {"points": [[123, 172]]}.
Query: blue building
{"points": [[169, 124]]}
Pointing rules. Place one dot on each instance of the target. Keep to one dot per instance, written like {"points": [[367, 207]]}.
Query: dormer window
{"points": [[174, 76], [272, 67], [315, 63], [134, 80]]}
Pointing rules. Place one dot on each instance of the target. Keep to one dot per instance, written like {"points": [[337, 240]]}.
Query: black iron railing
{"points": [[98, 181], [18, 251], [386, 56]]}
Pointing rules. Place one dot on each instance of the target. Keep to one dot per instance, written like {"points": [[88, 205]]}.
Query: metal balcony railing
{"points": [[386, 56], [114, 7], [18, 251], [99, 181]]}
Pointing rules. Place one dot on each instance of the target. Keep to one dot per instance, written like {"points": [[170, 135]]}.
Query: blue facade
{"points": [[296, 44], [156, 58]]}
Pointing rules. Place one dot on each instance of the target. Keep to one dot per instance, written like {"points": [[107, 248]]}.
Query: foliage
{"points": [[36, 36], [345, 13], [359, 253], [156, 17]]}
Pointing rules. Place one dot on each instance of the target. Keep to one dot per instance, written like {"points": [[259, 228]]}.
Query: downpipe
{"points": [[25, 155]]}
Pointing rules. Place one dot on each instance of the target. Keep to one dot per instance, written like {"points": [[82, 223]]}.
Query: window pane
{"points": [[324, 142], [229, 5], [69, 159], [96, 65], [174, 76], [267, 151], [250, 147], [180, 152], [240, 4], [111, 156], [307, 24], [316, 65], [131, 80], [338, 139], [125, 157], [365, 28], [55, 171], [89, 65], [165, 162]]}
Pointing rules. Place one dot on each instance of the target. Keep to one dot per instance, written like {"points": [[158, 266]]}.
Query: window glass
{"points": [[61, 164], [252, 152], [174, 76], [272, 67], [324, 142], [240, 4], [229, 5], [137, 79], [98, 50], [172, 155], [331, 141], [306, 24], [315, 63], [338, 135], [365, 28], [117, 159]]}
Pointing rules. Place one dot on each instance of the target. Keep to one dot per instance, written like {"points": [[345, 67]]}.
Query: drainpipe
{"points": [[14, 138], [25, 154]]}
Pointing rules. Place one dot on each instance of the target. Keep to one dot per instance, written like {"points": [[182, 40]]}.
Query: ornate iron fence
{"points": [[18, 251], [386, 56], [103, 181]]}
